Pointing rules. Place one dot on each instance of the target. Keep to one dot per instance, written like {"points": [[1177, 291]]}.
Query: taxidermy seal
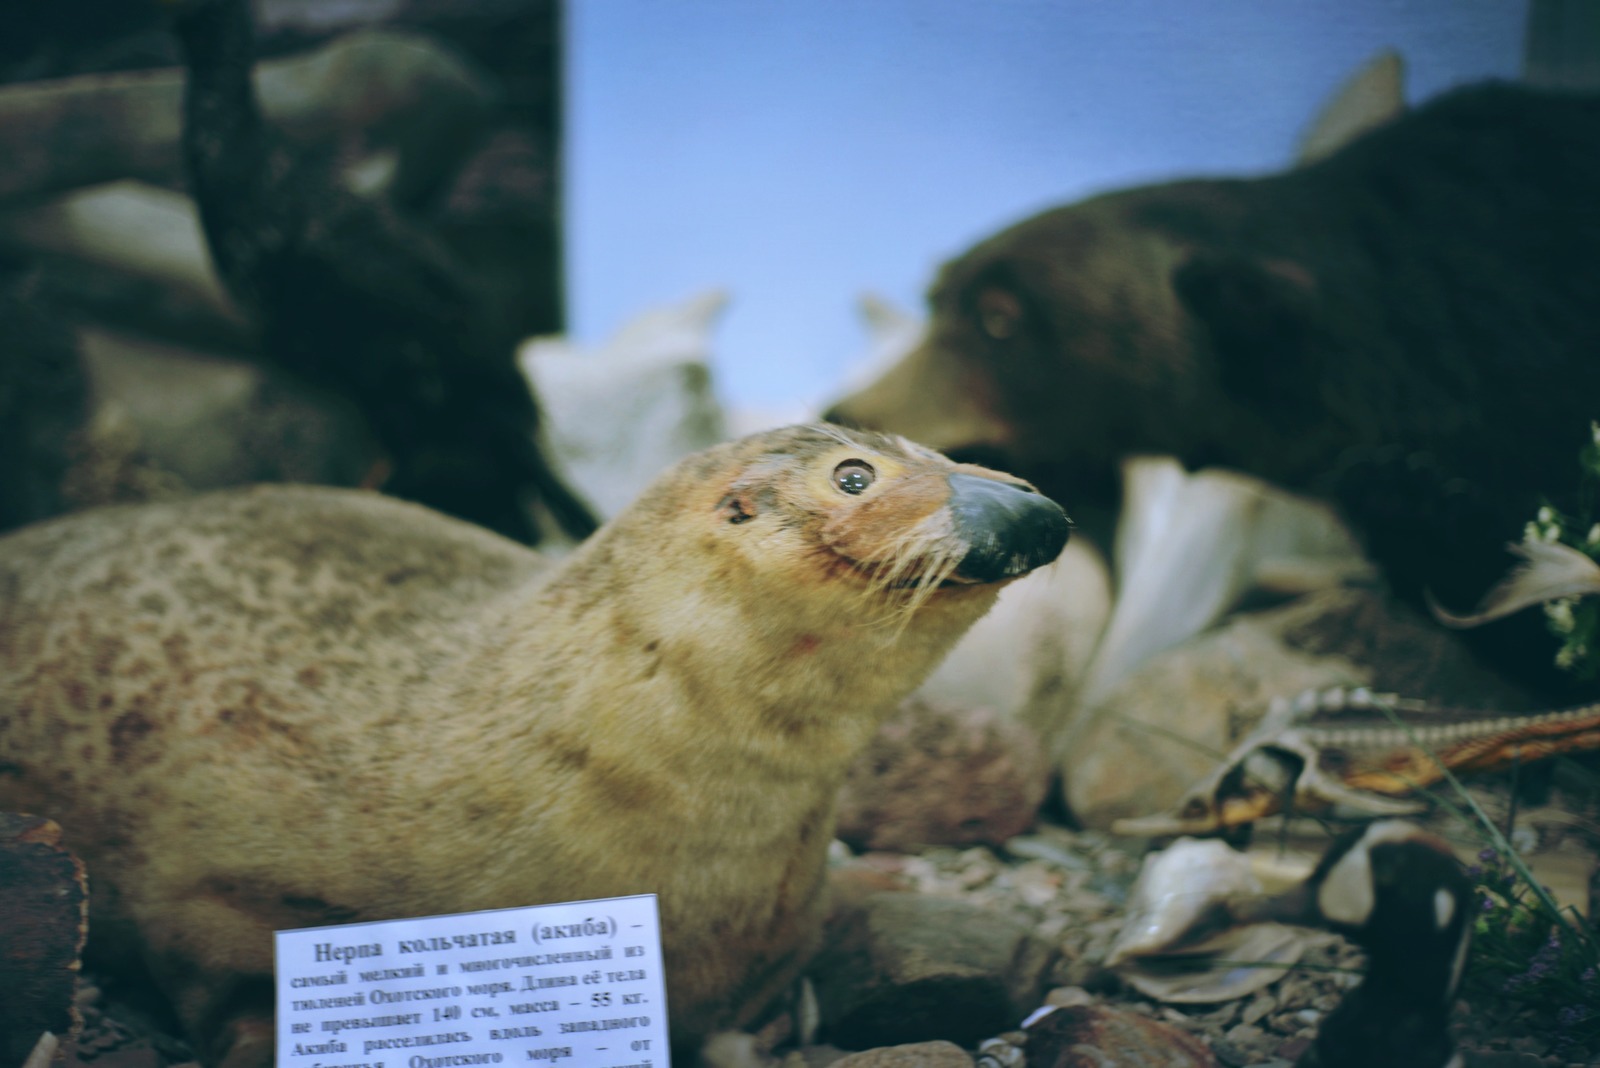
{"points": [[1405, 328], [290, 706]]}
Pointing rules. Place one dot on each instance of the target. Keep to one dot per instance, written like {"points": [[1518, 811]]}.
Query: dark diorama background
{"points": [[798, 155], [502, 205]]}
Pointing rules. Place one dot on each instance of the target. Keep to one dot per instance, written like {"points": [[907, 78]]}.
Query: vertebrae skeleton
{"points": [[1365, 751]]}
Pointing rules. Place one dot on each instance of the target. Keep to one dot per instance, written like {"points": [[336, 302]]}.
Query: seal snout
{"points": [[1011, 529]]}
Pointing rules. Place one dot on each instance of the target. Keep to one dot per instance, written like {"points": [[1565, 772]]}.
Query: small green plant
{"points": [[1526, 955], [1527, 951], [1575, 620]]}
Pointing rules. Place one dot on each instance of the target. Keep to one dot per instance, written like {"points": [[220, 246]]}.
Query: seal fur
{"points": [[292, 706]]}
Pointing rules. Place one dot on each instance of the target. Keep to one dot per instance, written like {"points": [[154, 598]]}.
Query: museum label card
{"points": [[578, 983]]}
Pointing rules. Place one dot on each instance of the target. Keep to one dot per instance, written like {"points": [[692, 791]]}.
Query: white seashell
{"points": [[1172, 946], [1174, 892], [1236, 964]]}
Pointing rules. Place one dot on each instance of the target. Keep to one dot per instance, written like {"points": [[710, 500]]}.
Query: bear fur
{"points": [[1409, 327]]}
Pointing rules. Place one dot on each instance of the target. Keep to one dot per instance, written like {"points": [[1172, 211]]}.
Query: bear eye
{"points": [[854, 476], [999, 313]]}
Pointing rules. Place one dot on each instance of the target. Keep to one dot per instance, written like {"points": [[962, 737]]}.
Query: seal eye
{"points": [[854, 476]]}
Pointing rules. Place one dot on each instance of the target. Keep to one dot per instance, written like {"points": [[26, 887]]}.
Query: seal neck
{"points": [[681, 666]]}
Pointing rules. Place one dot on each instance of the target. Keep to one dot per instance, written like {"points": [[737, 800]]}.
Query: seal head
{"points": [[884, 512]]}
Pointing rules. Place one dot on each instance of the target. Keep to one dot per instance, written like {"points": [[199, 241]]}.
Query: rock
{"points": [[1166, 725], [813, 1057], [130, 253], [1003, 1051], [1189, 547], [1372, 96], [1026, 658], [1399, 650], [1094, 1036], [734, 1049], [1508, 1059], [1290, 1052], [44, 1052], [852, 879], [911, 1055], [398, 93], [134, 1055], [1260, 1006], [907, 968], [209, 422], [616, 416], [1244, 1034], [44, 902], [937, 775]]}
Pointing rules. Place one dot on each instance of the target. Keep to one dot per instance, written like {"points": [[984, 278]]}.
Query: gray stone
{"points": [[207, 422], [903, 967], [939, 775], [43, 921], [1259, 1006], [131, 253], [1231, 1055], [617, 415], [1064, 997], [1002, 1052], [1189, 547], [1163, 728], [1244, 1034], [911, 1055], [1025, 659], [400, 93], [1094, 1036]]}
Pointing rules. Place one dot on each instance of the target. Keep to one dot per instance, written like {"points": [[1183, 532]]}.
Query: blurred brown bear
{"points": [[1409, 327]]}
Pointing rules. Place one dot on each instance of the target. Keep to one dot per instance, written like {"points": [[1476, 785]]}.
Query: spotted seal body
{"points": [[290, 706]]}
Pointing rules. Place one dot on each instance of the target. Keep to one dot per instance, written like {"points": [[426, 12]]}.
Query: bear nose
{"points": [[1011, 529]]}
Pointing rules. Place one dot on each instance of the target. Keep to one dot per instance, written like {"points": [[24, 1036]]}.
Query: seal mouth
{"points": [[917, 578], [942, 584]]}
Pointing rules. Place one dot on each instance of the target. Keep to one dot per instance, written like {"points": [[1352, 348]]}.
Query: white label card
{"points": [[577, 983]]}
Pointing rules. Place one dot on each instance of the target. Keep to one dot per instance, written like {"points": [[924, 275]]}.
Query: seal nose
{"points": [[1011, 530]]}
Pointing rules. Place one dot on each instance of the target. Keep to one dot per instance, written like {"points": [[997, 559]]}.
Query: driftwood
{"points": [[397, 91], [44, 900], [133, 253]]}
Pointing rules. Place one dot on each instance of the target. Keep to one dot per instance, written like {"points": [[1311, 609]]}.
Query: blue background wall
{"points": [[799, 152]]}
